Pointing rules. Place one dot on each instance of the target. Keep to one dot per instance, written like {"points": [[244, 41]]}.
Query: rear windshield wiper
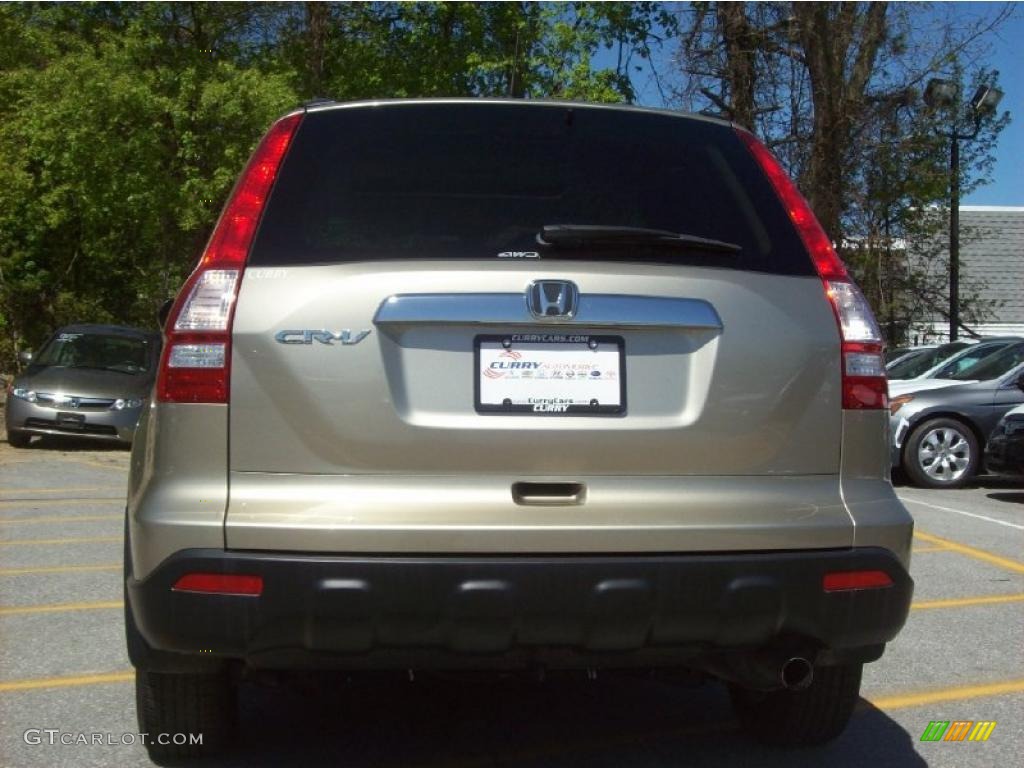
{"points": [[584, 235]]}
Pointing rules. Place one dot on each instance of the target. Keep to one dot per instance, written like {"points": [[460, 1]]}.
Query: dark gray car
{"points": [[88, 381], [939, 434]]}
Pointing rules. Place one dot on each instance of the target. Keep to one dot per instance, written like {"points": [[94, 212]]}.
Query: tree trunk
{"points": [[317, 18], [832, 35], [740, 44]]}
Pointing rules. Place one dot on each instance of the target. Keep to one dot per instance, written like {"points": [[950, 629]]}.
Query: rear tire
{"points": [[941, 453], [172, 704], [18, 439], [814, 715]]}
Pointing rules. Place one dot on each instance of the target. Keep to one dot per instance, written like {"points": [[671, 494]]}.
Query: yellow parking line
{"points": [[978, 554], [58, 490], [960, 602], [962, 693], [80, 540], [58, 607], [59, 569], [60, 519], [65, 682], [58, 502], [931, 549]]}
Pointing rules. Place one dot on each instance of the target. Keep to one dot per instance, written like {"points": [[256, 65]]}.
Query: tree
{"points": [[121, 135], [833, 88], [519, 49], [840, 44], [123, 126]]}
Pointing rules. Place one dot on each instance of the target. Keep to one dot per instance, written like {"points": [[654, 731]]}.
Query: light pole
{"points": [[946, 94]]}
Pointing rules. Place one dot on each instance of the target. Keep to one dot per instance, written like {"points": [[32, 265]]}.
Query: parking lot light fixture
{"points": [[940, 93], [986, 100], [945, 94]]}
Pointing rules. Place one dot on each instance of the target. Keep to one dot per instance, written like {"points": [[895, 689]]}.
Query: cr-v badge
{"points": [[345, 336]]}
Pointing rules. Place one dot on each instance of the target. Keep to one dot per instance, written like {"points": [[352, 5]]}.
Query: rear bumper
{"points": [[399, 612], [1005, 455], [898, 429]]}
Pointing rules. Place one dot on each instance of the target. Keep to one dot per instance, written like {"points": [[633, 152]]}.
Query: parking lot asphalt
{"points": [[63, 663]]}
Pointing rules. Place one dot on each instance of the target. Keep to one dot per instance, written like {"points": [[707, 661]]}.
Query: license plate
{"points": [[70, 420], [551, 374]]}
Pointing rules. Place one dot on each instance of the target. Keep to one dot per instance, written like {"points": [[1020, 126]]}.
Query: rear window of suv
{"points": [[472, 181]]}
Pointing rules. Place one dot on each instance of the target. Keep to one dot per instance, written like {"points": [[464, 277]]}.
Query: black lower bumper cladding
{"points": [[394, 611]]}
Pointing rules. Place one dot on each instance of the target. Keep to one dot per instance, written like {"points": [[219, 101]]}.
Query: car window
{"points": [[896, 353], [993, 366], [472, 181], [913, 365], [125, 354], [965, 360], [945, 352], [948, 350]]}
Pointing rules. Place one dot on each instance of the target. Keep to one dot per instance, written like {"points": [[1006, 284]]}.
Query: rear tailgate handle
{"points": [[548, 494]]}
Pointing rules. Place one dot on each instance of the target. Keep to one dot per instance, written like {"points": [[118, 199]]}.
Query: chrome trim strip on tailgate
{"points": [[595, 310]]}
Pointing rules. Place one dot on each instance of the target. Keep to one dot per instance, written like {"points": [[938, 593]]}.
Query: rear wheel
{"points": [[18, 439], [941, 453], [813, 715], [180, 708]]}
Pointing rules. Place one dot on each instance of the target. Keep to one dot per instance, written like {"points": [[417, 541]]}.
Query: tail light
{"points": [[863, 366], [195, 365]]}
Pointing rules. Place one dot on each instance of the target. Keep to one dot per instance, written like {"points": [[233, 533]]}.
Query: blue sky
{"points": [[1007, 187]]}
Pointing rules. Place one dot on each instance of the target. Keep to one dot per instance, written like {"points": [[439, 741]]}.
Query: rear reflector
{"points": [[196, 363], [219, 584], [844, 581], [864, 384]]}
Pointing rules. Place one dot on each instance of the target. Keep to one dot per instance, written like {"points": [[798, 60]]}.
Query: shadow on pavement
{"points": [[613, 722], [1007, 482], [1002, 482], [1013, 498], [71, 444]]}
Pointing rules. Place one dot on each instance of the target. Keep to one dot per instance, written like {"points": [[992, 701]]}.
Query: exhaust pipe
{"points": [[764, 670], [796, 673]]}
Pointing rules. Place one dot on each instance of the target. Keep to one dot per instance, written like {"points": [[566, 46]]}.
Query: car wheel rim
{"points": [[944, 454]]}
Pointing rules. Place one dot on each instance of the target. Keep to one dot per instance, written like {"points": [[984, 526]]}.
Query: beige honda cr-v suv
{"points": [[482, 384]]}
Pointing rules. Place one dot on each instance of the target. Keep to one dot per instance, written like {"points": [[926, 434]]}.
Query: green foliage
{"points": [[123, 126], [375, 50], [121, 136]]}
